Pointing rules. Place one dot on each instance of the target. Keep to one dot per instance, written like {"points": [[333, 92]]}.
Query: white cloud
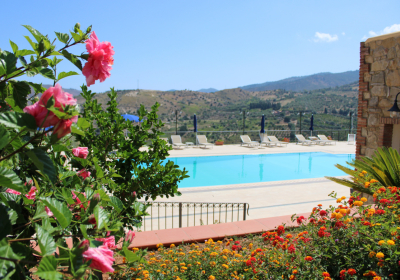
{"points": [[343, 33], [386, 30], [325, 37]]}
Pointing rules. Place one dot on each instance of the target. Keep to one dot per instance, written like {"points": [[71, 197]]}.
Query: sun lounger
{"points": [[177, 142], [266, 142], [247, 141], [317, 140], [325, 139], [202, 141], [275, 140], [351, 138], [303, 141]]}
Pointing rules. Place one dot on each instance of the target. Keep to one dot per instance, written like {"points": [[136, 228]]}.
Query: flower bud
{"points": [[96, 197], [134, 194], [130, 235]]}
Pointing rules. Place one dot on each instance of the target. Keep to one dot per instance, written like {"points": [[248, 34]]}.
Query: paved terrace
{"points": [[279, 199]]}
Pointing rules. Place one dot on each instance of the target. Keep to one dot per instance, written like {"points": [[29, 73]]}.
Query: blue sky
{"points": [[193, 44]]}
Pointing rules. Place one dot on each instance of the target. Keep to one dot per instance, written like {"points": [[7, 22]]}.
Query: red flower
{"points": [[300, 219], [308, 258], [281, 230], [323, 213], [291, 249]]}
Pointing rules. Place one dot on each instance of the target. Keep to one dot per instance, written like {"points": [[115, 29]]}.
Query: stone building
{"points": [[379, 84]]}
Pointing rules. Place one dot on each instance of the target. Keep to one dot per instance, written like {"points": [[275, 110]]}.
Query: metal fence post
{"points": [[244, 211], [180, 214]]}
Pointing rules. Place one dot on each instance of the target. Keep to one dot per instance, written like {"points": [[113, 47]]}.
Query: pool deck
{"points": [[276, 201]]}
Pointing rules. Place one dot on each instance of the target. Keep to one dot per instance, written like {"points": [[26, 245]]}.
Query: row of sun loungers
{"points": [[268, 141]]}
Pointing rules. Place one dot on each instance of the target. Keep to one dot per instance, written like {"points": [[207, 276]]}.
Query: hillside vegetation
{"points": [[220, 111]]}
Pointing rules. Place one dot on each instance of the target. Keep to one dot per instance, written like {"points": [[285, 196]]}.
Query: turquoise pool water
{"points": [[239, 169]]}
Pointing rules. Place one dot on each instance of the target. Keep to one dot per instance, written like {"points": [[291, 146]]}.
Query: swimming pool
{"points": [[240, 169]]}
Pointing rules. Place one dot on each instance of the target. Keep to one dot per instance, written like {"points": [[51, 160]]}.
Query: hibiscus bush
{"points": [[68, 194], [351, 241]]}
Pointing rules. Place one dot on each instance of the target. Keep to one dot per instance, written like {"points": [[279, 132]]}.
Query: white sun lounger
{"points": [[303, 141], [325, 139], [177, 142], [275, 140], [202, 141], [247, 141], [265, 141]]}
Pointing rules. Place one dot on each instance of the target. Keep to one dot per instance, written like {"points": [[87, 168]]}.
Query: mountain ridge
{"points": [[309, 82]]}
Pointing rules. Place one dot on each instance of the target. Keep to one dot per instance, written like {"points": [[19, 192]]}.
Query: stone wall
{"points": [[379, 82]]}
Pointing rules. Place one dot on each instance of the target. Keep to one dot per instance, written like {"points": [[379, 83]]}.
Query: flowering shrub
{"points": [[285, 139], [69, 211], [351, 241]]}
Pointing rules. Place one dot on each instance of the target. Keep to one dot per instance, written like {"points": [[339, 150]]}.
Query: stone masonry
{"points": [[379, 82]]}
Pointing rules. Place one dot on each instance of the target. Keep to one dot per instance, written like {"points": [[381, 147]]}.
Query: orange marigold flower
{"points": [[364, 199], [366, 184], [381, 242], [308, 258], [325, 274], [373, 181], [371, 254], [390, 242], [351, 271], [295, 271], [380, 255], [292, 277]]}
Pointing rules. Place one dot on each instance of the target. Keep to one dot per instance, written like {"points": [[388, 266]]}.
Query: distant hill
{"points": [[207, 90], [311, 82]]}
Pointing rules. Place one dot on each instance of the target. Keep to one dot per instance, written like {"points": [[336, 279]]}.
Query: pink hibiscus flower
{"points": [[109, 242], [101, 257], [100, 59], [80, 152]]}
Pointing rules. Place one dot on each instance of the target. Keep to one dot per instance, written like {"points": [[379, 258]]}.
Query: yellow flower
{"points": [[339, 216], [338, 200], [364, 199], [343, 211], [214, 254], [381, 242], [172, 246], [366, 184], [212, 263], [159, 245], [390, 242], [225, 266], [364, 172], [371, 254], [358, 203], [343, 197], [211, 277], [380, 255]]}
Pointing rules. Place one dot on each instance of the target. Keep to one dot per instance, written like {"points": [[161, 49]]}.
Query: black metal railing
{"points": [[165, 215], [233, 137]]}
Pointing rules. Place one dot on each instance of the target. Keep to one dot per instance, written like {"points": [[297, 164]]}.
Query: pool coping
{"points": [[195, 234]]}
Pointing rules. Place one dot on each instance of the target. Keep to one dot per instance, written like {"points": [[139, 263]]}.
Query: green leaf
{"points": [[5, 223], [18, 120], [83, 123], [33, 45], [60, 211], [84, 229], [9, 179], [24, 52], [9, 62], [103, 195], [67, 194], [63, 75], [47, 73], [76, 130], [60, 148], [43, 162], [130, 256], [78, 266], [117, 203], [20, 90], [46, 241], [72, 58], [76, 36], [101, 217], [66, 174], [99, 171], [14, 46], [4, 137], [38, 36], [6, 251], [38, 88], [63, 37], [48, 269], [40, 212]]}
